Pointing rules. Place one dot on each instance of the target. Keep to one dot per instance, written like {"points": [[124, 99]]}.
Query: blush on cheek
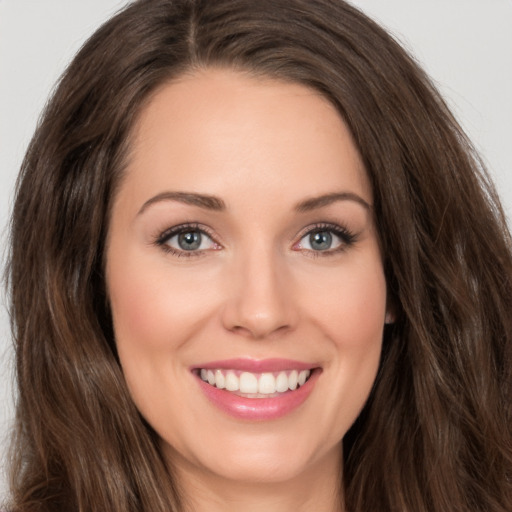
{"points": [[359, 312], [155, 315], [134, 310]]}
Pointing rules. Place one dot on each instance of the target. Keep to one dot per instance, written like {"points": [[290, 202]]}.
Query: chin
{"points": [[260, 458]]}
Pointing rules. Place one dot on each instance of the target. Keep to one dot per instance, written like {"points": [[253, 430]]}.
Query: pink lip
{"points": [[258, 409], [256, 365]]}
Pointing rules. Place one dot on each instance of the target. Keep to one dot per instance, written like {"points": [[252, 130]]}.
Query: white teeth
{"points": [[292, 379], [282, 383], [255, 383], [248, 383], [220, 380], [232, 382], [267, 384]]}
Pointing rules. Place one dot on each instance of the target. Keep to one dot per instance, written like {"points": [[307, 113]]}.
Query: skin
{"points": [[256, 288]]}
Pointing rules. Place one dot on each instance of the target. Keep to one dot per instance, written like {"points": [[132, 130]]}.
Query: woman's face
{"points": [[242, 250]]}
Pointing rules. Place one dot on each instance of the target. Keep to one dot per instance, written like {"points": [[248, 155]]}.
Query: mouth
{"points": [[257, 390], [254, 385]]}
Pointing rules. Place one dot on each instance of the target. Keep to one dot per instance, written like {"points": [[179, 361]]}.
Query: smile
{"points": [[253, 390], [255, 385]]}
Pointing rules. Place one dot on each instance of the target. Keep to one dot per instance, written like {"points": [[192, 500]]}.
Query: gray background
{"points": [[465, 45]]}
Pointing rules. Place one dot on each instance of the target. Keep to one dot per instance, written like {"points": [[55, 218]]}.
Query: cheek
{"points": [[352, 308], [139, 312], [153, 308], [352, 315], [154, 312]]}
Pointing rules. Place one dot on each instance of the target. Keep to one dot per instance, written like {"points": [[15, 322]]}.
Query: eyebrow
{"points": [[216, 204], [203, 201], [327, 199]]}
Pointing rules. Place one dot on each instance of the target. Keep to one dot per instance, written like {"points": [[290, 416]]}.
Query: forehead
{"points": [[220, 131]]}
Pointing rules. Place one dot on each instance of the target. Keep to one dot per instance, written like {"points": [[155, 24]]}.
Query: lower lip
{"points": [[259, 409]]}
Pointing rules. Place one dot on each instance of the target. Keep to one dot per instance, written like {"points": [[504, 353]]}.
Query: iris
{"points": [[190, 241], [320, 241]]}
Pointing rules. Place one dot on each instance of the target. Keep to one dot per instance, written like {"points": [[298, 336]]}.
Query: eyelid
{"points": [[346, 236], [162, 238]]}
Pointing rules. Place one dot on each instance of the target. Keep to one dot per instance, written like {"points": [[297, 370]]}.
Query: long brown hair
{"points": [[435, 434]]}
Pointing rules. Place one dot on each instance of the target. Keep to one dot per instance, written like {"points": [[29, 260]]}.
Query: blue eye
{"points": [[326, 239], [186, 239], [189, 241], [320, 241]]}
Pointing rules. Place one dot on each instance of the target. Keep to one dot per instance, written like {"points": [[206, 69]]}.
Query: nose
{"points": [[260, 301]]}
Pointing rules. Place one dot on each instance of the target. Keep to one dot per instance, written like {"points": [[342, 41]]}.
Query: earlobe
{"points": [[389, 318]]}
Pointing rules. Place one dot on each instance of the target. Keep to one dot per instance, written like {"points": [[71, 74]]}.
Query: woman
{"points": [[255, 264]]}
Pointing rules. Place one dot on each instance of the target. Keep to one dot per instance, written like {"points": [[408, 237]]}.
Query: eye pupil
{"points": [[189, 241], [321, 240]]}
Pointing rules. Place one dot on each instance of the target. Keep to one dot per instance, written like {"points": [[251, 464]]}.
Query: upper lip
{"points": [[256, 365]]}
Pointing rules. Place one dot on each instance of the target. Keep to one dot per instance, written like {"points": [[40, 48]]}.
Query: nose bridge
{"points": [[260, 302]]}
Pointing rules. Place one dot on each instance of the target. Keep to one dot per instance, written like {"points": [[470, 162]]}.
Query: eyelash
{"points": [[163, 239], [346, 237]]}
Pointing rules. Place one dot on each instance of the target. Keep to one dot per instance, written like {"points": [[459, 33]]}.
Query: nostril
{"points": [[260, 330]]}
